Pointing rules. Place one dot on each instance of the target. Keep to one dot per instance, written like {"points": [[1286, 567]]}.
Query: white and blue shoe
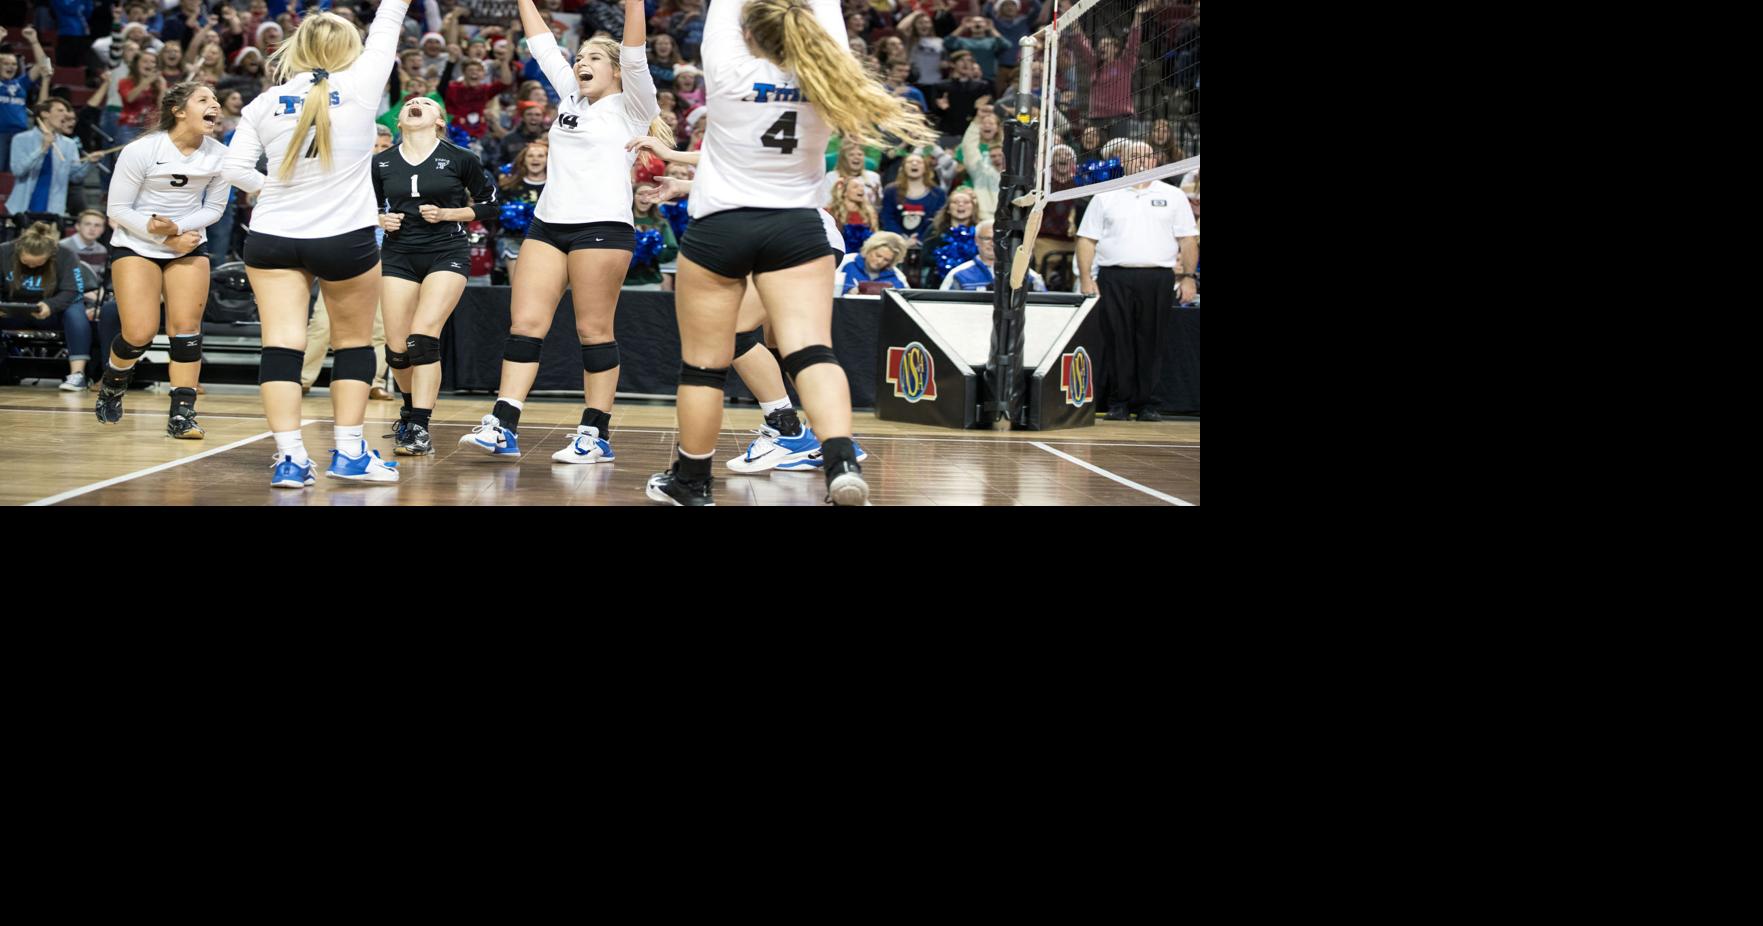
{"points": [[774, 451], [588, 447], [368, 467], [491, 438], [813, 462], [290, 475]]}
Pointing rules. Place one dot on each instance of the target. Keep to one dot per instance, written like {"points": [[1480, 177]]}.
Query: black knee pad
{"points": [[356, 363], [125, 350], [699, 376], [396, 360], [747, 340], [801, 360], [522, 349], [280, 365], [186, 348], [598, 358], [423, 350]]}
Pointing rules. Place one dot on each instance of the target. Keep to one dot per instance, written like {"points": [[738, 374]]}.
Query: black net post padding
{"points": [[1009, 306]]}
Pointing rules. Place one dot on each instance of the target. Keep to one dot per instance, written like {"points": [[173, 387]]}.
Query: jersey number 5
{"points": [[782, 134], [179, 180]]}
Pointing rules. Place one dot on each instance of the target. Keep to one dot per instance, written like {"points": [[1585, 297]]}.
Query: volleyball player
{"points": [[166, 190], [430, 188], [582, 233], [315, 216], [779, 80]]}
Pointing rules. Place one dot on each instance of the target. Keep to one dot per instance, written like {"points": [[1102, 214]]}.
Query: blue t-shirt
{"points": [[15, 103]]}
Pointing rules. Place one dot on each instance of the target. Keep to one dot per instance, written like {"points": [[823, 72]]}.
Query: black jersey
{"points": [[450, 177]]}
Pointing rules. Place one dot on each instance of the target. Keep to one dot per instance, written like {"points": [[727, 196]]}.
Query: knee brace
{"points": [[423, 350], [396, 360], [186, 348], [522, 349], [125, 350], [598, 358], [699, 376], [747, 340], [280, 365], [801, 360], [354, 363]]}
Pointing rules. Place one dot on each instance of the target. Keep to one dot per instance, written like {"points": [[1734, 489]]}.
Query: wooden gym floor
{"points": [[56, 453]]}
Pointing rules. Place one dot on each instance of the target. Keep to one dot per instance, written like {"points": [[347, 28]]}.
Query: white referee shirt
{"points": [[1139, 227], [589, 177], [766, 147], [316, 203], [152, 178]]}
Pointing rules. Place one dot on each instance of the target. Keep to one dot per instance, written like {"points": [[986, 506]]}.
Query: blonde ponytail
{"points": [[318, 119], [662, 130], [845, 95], [324, 42]]}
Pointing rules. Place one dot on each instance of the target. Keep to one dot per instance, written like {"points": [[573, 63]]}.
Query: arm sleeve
{"points": [[379, 54], [723, 50], [240, 166], [214, 202], [379, 187], [550, 60], [1092, 226], [640, 106], [484, 206], [125, 185], [432, 12]]}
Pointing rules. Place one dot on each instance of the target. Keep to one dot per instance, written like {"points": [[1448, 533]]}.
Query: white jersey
{"points": [[316, 203], [834, 237], [152, 178], [766, 147], [589, 173]]}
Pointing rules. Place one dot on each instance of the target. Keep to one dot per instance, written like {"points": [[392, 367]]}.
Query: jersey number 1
{"points": [[782, 134], [413, 193]]}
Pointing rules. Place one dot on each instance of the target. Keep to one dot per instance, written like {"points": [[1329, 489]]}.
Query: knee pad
{"points": [[801, 360], [747, 340], [423, 350], [125, 350], [356, 363], [186, 348], [396, 360], [280, 365], [699, 376], [598, 358], [522, 349]]}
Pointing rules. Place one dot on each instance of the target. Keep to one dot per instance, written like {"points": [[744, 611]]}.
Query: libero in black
{"points": [[451, 177]]}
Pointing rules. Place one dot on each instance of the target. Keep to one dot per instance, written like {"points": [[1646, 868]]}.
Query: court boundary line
{"points": [[159, 468], [1120, 479]]}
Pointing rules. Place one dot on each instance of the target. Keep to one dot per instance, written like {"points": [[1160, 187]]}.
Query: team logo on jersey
{"points": [[772, 93], [385, 163], [1077, 378], [291, 104], [568, 120], [440, 163], [1159, 202], [912, 372]]}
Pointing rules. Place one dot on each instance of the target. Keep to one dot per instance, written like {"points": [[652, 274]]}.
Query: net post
{"points": [[1009, 223]]}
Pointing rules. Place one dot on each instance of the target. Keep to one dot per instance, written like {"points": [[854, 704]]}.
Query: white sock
{"points": [[349, 441], [696, 456], [516, 403], [289, 443], [779, 405]]}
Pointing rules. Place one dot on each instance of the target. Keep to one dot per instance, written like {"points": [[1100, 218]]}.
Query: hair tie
{"points": [[319, 74]]}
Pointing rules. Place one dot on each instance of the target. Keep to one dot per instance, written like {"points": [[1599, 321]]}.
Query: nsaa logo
{"points": [[1077, 378], [912, 372]]}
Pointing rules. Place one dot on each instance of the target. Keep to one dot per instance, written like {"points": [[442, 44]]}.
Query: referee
{"points": [[1132, 235]]}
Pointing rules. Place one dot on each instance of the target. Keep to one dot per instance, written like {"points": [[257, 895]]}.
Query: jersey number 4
{"points": [[782, 134]]}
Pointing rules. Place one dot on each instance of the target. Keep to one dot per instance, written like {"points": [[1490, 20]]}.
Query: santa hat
{"points": [[695, 116], [433, 35], [239, 56]]}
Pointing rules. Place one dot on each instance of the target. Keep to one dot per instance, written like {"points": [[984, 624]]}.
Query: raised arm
{"points": [[640, 106], [380, 53], [543, 46], [240, 165]]}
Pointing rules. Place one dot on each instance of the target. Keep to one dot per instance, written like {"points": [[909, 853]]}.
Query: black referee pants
{"points": [[1135, 303]]}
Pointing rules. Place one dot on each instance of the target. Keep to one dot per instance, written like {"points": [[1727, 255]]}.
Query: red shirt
{"points": [[465, 104], [145, 107]]}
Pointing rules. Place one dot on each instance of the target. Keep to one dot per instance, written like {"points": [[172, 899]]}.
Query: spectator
{"points": [[956, 98], [232, 105], [45, 160], [182, 24], [1163, 144], [523, 183], [1059, 221], [898, 74], [1111, 72], [978, 36], [687, 25], [957, 213], [33, 274], [985, 169], [1090, 144], [232, 31], [852, 165], [670, 114], [926, 53], [851, 208], [73, 37], [647, 275], [688, 85], [875, 263], [246, 75], [663, 58], [83, 245], [909, 205], [1012, 20], [140, 97], [210, 64], [532, 127], [415, 86], [268, 38], [891, 49], [979, 274], [171, 62], [466, 98], [18, 92]]}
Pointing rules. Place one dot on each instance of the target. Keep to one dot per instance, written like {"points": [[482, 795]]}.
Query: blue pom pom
{"points": [[648, 249], [516, 216], [678, 216], [855, 235], [506, 169], [958, 248], [458, 136]]}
